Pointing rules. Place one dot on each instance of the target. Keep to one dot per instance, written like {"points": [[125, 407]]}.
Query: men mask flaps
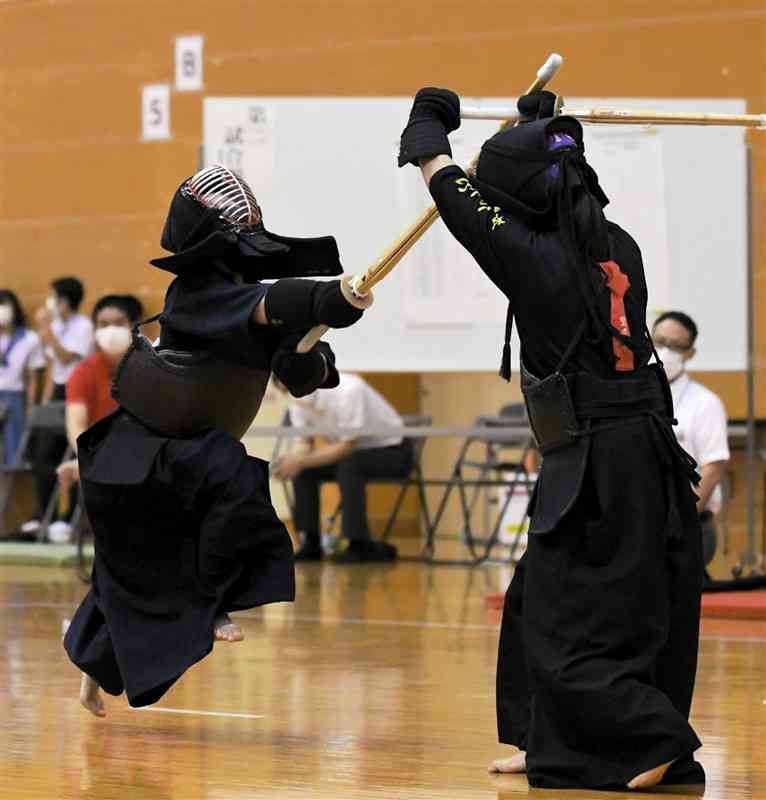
{"points": [[214, 216]]}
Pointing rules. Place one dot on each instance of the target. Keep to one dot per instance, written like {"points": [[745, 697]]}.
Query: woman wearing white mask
{"points": [[21, 357], [89, 388]]}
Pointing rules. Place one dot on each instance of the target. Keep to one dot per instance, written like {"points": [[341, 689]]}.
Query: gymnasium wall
{"points": [[81, 193]]}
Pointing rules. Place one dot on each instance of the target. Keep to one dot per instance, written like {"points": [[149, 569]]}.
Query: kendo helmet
{"points": [[521, 169], [214, 215]]}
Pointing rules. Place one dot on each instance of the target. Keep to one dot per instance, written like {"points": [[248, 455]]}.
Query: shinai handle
{"points": [[378, 270]]}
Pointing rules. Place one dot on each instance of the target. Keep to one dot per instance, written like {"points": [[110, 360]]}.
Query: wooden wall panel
{"points": [[80, 193]]}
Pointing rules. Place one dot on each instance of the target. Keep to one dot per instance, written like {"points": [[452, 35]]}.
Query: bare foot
{"points": [[516, 763], [226, 630], [90, 696], [649, 778]]}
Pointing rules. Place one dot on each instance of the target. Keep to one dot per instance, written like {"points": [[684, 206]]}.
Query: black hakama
{"points": [[598, 647], [184, 530]]}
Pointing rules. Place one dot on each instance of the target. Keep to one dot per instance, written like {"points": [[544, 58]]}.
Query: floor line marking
{"points": [[193, 712]]}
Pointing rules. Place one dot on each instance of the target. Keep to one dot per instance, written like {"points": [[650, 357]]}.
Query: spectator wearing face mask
{"points": [[21, 358], [66, 334], [702, 420], [89, 388], [67, 337]]}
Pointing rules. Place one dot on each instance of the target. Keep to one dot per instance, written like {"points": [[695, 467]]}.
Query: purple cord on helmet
{"points": [[555, 142]]}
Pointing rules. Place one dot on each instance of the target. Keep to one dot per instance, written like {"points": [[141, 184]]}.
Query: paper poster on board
{"points": [[444, 285], [244, 142], [631, 169]]}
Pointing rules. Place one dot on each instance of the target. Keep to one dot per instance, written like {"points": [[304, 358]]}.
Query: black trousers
{"points": [[47, 450], [351, 475], [709, 536]]}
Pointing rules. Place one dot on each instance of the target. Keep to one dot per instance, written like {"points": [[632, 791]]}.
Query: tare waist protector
{"points": [[561, 406], [179, 394]]}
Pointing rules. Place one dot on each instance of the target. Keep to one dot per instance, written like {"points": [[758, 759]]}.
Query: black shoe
{"points": [[387, 551], [366, 552], [309, 551]]}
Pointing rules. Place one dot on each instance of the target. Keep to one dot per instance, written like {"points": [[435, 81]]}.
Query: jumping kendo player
{"points": [[598, 646], [182, 518]]}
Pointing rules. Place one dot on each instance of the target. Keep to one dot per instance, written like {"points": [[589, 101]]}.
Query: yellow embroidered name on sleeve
{"points": [[464, 186]]}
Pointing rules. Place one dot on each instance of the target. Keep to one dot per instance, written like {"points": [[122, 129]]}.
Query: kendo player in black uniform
{"points": [[182, 518], [598, 646]]}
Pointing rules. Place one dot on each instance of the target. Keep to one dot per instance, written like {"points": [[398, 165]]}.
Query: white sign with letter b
{"points": [[189, 63]]}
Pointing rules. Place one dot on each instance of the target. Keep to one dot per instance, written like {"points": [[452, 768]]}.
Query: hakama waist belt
{"points": [[565, 411]]}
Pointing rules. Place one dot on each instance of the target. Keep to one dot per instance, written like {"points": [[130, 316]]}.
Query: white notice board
{"points": [[327, 165]]}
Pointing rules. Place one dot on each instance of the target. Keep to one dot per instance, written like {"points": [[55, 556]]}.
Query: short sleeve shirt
{"points": [[702, 428], [91, 384], [19, 352], [351, 404], [75, 335]]}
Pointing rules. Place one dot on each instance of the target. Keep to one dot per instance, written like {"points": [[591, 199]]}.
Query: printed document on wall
{"points": [[631, 171]]}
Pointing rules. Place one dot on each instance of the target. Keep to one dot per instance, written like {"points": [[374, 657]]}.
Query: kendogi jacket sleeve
{"points": [[500, 244]]}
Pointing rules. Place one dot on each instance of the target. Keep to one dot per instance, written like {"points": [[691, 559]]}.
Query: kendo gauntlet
{"points": [[303, 373], [297, 304], [539, 105], [435, 113]]}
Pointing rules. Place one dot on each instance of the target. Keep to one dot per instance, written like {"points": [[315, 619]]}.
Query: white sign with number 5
{"points": [[156, 112], [189, 63]]}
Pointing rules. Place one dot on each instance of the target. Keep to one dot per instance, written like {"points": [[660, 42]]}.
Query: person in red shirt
{"points": [[89, 388]]}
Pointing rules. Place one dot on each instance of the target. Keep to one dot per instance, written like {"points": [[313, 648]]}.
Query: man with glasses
{"points": [[702, 420]]}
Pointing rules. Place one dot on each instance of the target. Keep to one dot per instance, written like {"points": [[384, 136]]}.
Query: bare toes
{"points": [[649, 778], [514, 764], [229, 633], [94, 705]]}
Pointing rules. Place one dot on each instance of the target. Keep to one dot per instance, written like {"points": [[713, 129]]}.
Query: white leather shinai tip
{"points": [[550, 67], [762, 126]]}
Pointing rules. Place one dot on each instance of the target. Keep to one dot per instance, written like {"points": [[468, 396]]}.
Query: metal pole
{"points": [[749, 556]]}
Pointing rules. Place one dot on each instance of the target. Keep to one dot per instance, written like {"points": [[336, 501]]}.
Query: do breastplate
{"points": [[179, 393]]}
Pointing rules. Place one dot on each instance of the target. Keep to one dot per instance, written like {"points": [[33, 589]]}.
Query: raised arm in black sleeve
{"points": [[499, 243]]}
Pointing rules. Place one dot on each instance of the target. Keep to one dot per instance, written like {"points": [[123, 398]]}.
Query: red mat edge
{"points": [[723, 605]]}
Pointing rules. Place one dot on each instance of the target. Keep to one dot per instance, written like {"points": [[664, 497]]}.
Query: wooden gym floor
{"points": [[377, 683]]}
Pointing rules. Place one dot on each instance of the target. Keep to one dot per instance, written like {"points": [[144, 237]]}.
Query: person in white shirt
{"points": [[350, 460], [67, 337], [702, 419], [21, 358], [66, 334]]}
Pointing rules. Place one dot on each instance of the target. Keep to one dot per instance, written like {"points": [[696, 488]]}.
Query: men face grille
{"points": [[219, 188]]}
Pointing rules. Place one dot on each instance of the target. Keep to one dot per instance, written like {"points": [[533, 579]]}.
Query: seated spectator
{"points": [[21, 359], [702, 420], [349, 460], [89, 388], [68, 338]]}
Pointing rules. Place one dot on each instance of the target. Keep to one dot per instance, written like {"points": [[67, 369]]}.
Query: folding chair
{"points": [[491, 473], [415, 478], [50, 419]]}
